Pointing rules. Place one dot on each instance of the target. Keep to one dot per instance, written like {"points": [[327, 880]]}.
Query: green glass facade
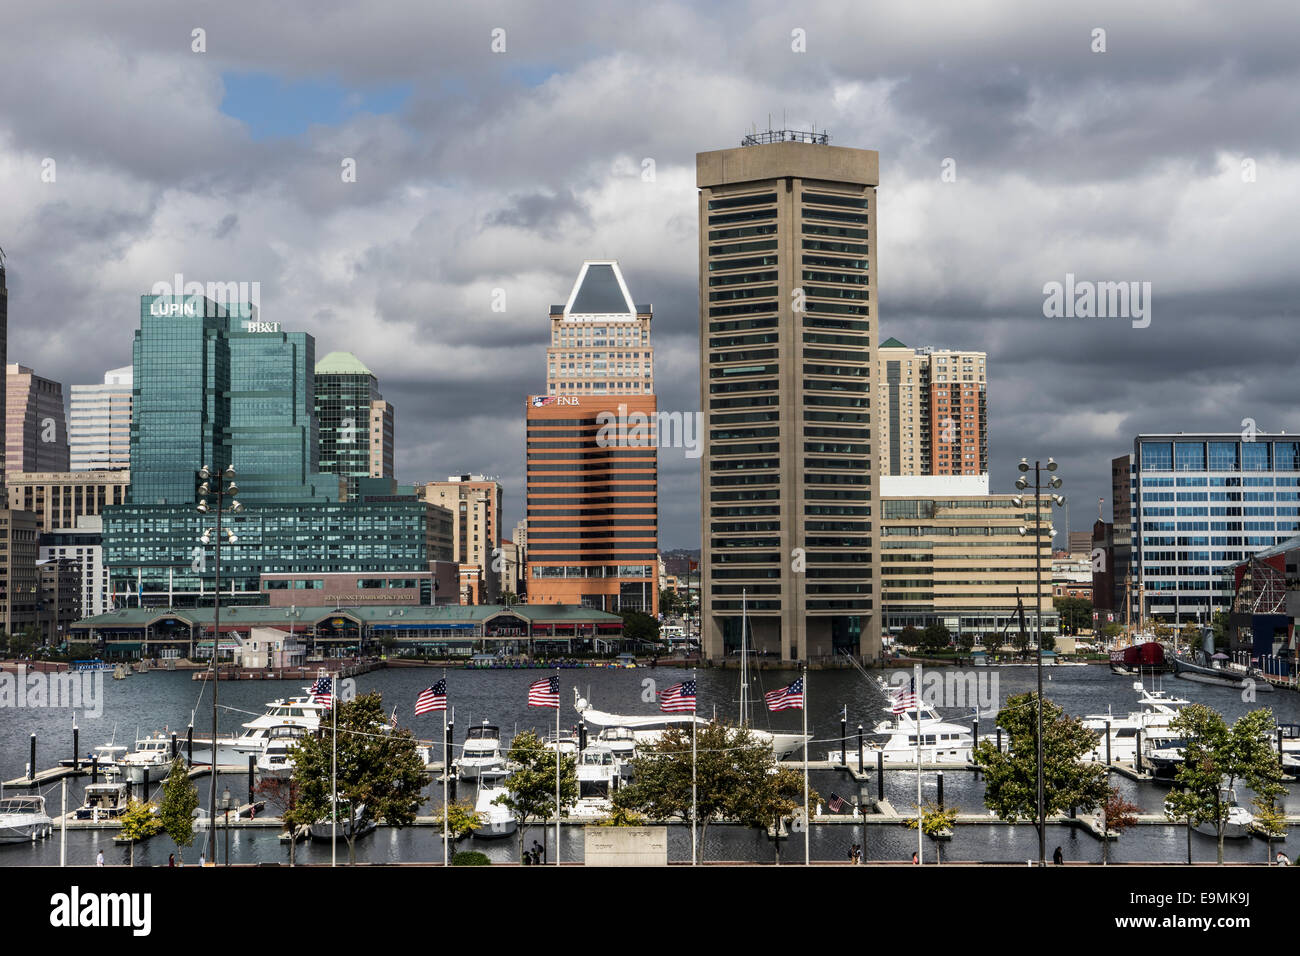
{"points": [[345, 392], [155, 556], [216, 387]]}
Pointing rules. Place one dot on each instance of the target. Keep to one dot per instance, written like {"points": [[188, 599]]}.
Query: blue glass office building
{"points": [[216, 387], [1202, 503]]}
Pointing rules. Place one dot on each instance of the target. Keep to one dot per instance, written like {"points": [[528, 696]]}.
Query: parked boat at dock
{"points": [[234, 750], [482, 751], [23, 819], [103, 801], [152, 755]]}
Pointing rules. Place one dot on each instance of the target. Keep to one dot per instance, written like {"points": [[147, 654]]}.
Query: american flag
{"points": [[901, 701], [836, 802], [432, 698], [545, 692], [680, 698], [787, 698], [322, 692]]}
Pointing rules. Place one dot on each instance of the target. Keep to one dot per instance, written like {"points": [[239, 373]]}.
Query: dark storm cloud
{"points": [[502, 171]]}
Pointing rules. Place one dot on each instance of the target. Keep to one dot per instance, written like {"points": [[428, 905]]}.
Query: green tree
{"points": [[378, 769], [1011, 776], [1270, 819], [1111, 630], [1076, 613], [470, 858], [139, 822], [909, 637], [180, 798], [530, 790], [1215, 758], [669, 602], [965, 643], [1189, 636], [639, 626], [1219, 624], [936, 822], [935, 636], [462, 819], [281, 797], [622, 817], [737, 779], [1117, 815]]}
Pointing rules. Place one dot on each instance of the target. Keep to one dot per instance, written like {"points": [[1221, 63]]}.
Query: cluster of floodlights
{"points": [[205, 489], [1023, 482]]}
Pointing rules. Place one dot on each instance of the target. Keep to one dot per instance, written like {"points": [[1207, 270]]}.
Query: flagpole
{"points": [[334, 780], [920, 837], [807, 817], [446, 769], [694, 797], [557, 768]]}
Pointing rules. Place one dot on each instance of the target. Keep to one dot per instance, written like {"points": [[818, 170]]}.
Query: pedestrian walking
{"points": [[1283, 859], [99, 858], [171, 859], [1058, 857]]}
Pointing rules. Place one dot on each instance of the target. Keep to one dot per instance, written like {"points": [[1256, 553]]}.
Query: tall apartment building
{"points": [[19, 549], [475, 503], [83, 546], [59, 498], [932, 416], [951, 553], [1201, 504], [4, 354], [787, 353], [99, 423], [356, 424], [592, 457], [36, 431], [600, 340]]}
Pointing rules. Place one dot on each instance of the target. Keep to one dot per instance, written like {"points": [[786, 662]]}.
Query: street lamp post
{"points": [[226, 803], [206, 480], [1022, 483]]}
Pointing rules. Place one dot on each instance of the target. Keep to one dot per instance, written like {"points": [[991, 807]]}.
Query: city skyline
{"points": [[400, 266]]}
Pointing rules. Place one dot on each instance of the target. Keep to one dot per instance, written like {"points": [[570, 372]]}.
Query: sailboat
{"points": [[782, 744]]}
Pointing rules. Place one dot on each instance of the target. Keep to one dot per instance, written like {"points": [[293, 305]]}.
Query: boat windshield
{"points": [[485, 732], [22, 804]]}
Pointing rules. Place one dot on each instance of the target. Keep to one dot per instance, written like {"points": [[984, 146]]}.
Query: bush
{"points": [[470, 858]]}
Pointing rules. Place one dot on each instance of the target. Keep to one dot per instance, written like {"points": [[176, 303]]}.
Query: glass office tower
{"points": [[217, 387]]}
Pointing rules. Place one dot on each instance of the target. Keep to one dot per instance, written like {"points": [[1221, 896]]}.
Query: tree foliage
{"points": [[462, 819], [1215, 758], [1076, 613], [1117, 815], [1011, 777], [139, 822], [935, 636], [180, 798], [737, 779], [530, 790], [639, 626], [378, 769]]}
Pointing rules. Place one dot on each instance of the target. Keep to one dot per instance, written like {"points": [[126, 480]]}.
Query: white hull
{"points": [[28, 831], [904, 757], [134, 772], [229, 752]]}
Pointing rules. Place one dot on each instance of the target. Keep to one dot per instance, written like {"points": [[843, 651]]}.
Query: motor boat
{"points": [[482, 751], [941, 741], [152, 755], [495, 819], [234, 750], [23, 819], [599, 772], [1239, 821], [275, 761], [620, 740], [325, 830], [103, 801], [1151, 722]]}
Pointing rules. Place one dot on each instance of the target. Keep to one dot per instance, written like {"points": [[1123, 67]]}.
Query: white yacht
{"points": [[621, 742], [234, 750], [482, 751], [1239, 821], [598, 772], [152, 755], [941, 741], [23, 819], [275, 761], [495, 820], [1157, 711]]}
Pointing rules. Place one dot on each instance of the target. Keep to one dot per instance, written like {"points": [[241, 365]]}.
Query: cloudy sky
{"points": [[1169, 158]]}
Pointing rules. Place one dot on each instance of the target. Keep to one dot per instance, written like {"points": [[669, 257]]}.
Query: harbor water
{"points": [[161, 701]]}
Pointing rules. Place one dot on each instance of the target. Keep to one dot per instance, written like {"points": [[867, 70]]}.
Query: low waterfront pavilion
{"points": [[455, 630]]}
